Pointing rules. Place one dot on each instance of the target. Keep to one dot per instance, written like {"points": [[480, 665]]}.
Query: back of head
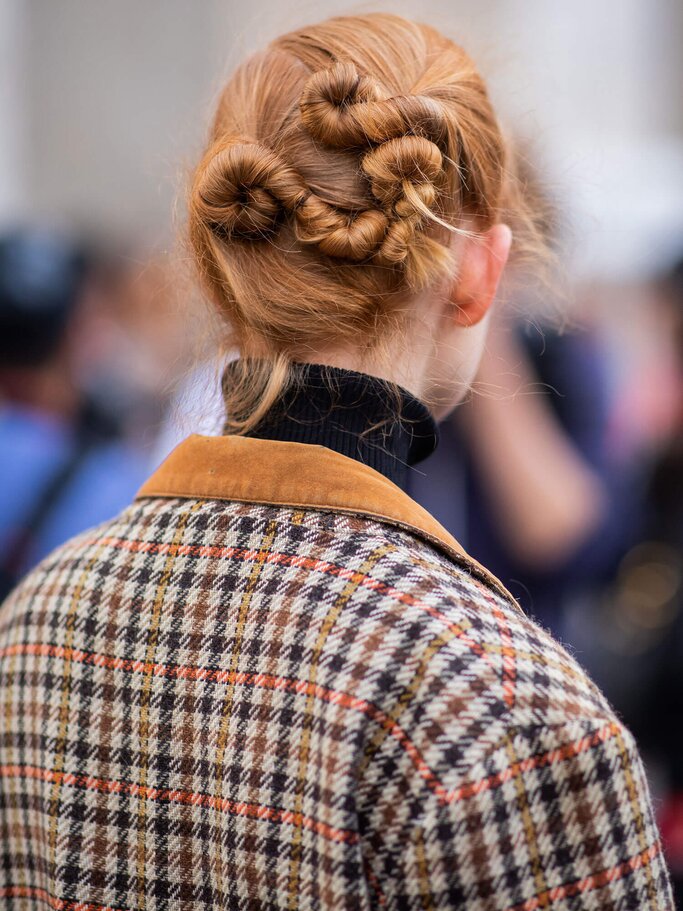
{"points": [[341, 161]]}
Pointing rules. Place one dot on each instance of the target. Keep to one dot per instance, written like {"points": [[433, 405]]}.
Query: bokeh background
{"points": [[103, 110]]}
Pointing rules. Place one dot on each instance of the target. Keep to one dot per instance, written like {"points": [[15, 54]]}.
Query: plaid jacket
{"points": [[274, 682]]}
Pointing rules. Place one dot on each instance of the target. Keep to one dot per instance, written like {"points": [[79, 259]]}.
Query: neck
{"points": [[360, 416]]}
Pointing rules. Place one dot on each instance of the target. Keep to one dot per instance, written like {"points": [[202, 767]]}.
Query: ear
{"points": [[481, 263]]}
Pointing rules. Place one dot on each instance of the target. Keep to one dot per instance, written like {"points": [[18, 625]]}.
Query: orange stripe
{"points": [[189, 798], [305, 687], [540, 760], [405, 698], [594, 881], [274, 473], [188, 672], [239, 678], [59, 904], [375, 883], [508, 653], [557, 893], [322, 566]]}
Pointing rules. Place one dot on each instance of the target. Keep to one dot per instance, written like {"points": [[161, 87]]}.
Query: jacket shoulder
{"points": [[501, 771], [456, 669], [465, 634]]}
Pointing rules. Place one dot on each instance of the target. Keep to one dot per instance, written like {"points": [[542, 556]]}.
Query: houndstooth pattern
{"points": [[217, 705]]}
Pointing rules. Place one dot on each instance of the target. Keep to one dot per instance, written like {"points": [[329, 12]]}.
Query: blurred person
{"points": [[274, 681], [146, 336], [631, 637], [63, 466], [537, 496]]}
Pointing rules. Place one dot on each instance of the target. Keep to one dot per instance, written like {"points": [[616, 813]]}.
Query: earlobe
{"points": [[481, 263]]}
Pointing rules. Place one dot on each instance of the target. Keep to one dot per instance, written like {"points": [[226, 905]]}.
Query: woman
{"points": [[275, 681]]}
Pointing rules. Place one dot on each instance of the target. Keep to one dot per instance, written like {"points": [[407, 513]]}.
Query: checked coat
{"points": [[274, 682]]}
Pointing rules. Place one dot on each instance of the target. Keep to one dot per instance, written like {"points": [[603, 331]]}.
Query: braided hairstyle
{"points": [[341, 161]]}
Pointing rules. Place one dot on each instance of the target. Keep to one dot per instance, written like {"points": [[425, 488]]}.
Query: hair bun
{"points": [[328, 105], [344, 109], [242, 187], [403, 169], [402, 137]]}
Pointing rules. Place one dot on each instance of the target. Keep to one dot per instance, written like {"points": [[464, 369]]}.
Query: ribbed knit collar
{"points": [[357, 415]]}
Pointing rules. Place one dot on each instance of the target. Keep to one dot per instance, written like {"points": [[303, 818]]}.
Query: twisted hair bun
{"points": [[241, 189], [344, 109], [244, 188], [342, 160], [399, 137], [404, 174], [401, 169]]}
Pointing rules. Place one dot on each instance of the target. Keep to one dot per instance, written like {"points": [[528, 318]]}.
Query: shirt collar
{"points": [[355, 414], [300, 475]]}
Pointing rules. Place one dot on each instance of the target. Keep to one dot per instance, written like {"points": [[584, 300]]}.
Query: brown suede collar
{"points": [[303, 475]]}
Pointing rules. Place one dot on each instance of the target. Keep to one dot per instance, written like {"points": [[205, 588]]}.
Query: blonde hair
{"points": [[340, 160]]}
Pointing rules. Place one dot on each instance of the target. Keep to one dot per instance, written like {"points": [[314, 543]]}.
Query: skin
{"points": [[449, 326]]}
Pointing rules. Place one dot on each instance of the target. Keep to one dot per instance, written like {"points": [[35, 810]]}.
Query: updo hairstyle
{"points": [[341, 160]]}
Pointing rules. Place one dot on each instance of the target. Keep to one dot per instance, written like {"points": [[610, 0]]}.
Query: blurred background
{"points": [[106, 354]]}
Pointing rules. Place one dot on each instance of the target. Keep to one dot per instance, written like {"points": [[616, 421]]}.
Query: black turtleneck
{"points": [[360, 416]]}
